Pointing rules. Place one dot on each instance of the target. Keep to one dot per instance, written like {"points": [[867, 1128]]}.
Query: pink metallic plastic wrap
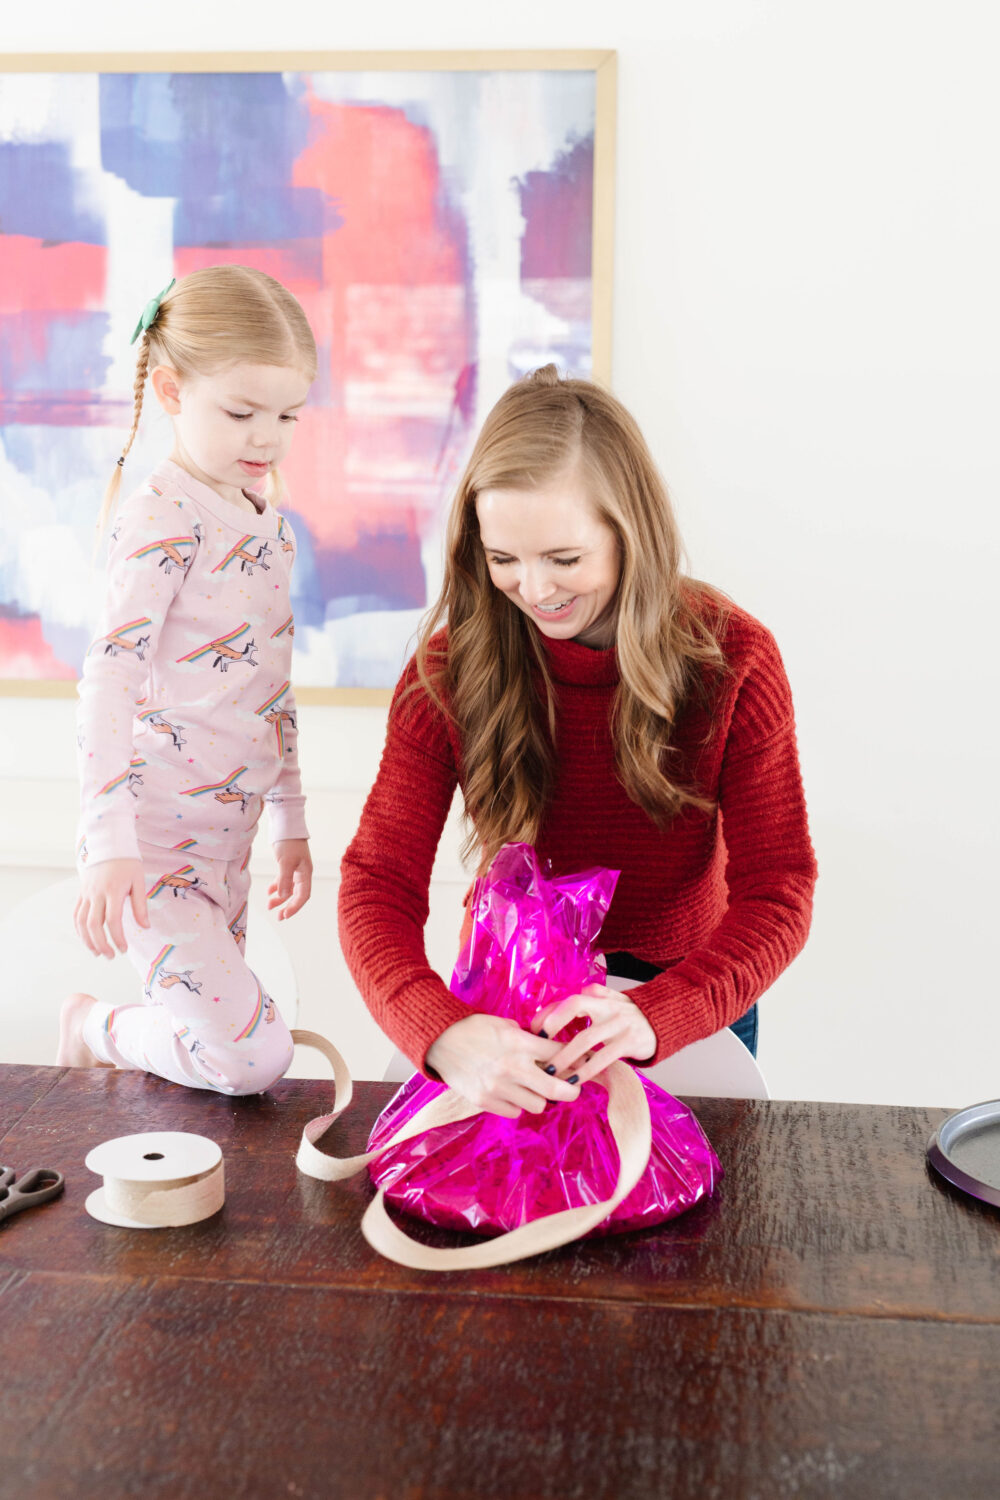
{"points": [[531, 944]]}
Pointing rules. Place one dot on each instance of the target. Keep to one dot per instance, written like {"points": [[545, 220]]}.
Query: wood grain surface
{"points": [[826, 1326]]}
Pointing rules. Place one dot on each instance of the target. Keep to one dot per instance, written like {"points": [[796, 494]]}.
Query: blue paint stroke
{"points": [[57, 460], [68, 643], [383, 571], [307, 604], [43, 353], [44, 196], [223, 145]]}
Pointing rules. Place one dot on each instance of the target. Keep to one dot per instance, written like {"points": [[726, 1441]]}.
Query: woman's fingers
{"points": [[555, 1017], [591, 1066], [497, 1066], [522, 1081], [509, 1096], [576, 1049], [525, 1098], [617, 1029], [550, 1086], [500, 1107]]}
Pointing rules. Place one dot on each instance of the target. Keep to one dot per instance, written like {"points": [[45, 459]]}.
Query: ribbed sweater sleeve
{"points": [[721, 949], [770, 871], [385, 878]]}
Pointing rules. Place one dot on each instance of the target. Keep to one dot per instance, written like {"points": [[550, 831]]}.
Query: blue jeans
{"points": [[746, 1029], [627, 966]]}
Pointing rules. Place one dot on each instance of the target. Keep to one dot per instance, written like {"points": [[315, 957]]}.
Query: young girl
{"points": [[187, 722], [592, 700]]}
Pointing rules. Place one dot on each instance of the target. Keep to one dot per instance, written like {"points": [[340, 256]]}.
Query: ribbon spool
{"points": [[157, 1180]]}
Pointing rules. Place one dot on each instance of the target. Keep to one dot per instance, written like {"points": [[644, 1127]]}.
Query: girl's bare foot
{"points": [[73, 1050]]}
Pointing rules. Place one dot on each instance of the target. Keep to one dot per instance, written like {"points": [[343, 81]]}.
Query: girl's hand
{"points": [[103, 889], [293, 886], [498, 1067], [618, 1029]]}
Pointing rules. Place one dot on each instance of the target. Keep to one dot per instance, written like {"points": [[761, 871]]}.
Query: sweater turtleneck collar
{"points": [[570, 662]]}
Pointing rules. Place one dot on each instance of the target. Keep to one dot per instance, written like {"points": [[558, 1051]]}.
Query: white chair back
{"points": [[718, 1067]]}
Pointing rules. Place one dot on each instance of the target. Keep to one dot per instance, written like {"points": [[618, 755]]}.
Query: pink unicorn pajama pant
{"points": [[205, 1020]]}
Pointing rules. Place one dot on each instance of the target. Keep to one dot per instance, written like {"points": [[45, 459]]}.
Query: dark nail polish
{"points": [[574, 1079], [544, 1034], [551, 1069]]}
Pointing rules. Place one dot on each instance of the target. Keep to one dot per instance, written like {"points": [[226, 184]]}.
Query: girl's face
{"points": [[232, 428], [549, 551]]}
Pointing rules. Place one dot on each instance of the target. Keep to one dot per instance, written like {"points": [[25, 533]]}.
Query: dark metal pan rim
{"points": [[949, 1132]]}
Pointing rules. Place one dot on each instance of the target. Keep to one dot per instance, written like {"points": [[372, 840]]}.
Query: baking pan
{"points": [[965, 1149]]}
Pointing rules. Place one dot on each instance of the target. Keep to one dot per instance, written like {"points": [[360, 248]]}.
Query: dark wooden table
{"points": [[828, 1325]]}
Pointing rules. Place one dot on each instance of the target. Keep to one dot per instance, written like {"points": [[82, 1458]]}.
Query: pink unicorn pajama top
{"points": [[186, 727], [187, 721]]}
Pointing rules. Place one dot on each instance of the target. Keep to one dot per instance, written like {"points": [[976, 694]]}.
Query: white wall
{"points": [[806, 325]]}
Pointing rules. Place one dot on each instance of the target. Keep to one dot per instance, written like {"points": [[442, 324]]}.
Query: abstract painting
{"points": [[437, 221]]}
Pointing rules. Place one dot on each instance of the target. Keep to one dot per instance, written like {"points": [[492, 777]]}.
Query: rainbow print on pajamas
{"points": [[177, 762]]}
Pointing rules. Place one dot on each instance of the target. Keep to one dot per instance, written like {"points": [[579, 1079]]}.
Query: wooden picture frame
{"points": [[128, 172]]}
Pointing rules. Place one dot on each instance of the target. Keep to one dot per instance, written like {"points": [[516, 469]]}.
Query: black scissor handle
{"points": [[39, 1185]]}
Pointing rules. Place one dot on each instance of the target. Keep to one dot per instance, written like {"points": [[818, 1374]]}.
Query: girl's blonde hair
{"points": [[667, 626], [213, 318]]}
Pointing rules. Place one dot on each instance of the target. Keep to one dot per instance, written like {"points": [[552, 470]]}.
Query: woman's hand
{"points": [[295, 872], [103, 892], [617, 1029], [498, 1067]]}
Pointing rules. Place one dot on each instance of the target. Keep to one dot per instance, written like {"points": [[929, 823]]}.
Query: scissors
{"points": [[40, 1185]]}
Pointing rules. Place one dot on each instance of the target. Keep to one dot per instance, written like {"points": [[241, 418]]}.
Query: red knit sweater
{"points": [[722, 902]]}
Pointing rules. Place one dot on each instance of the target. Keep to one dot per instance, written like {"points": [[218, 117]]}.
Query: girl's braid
{"points": [[114, 484], [139, 385]]}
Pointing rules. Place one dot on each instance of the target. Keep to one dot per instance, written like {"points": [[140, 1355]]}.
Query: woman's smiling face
{"points": [[549, 551]]}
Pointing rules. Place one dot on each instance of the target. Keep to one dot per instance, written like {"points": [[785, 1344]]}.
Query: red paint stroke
{"points": [[297, 264], [382, 171], [387, 295], [68, 409], [40, 277], [396, 320], [26, 654]]}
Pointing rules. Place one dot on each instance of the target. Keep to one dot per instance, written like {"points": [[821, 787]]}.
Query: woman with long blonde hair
{"points": [[593, 700], [187, 724]]}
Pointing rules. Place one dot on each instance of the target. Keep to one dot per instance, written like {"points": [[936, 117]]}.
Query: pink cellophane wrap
{"points": [[531, 944]]}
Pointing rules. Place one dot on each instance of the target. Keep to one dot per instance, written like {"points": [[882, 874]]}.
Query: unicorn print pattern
{"points": [[207, 1021], [117, 640], [187, 729], [159, 725], [200, 629]]}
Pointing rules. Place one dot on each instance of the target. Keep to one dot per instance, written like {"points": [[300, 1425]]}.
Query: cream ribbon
{"points": [[156, 1179], [628, 1120], [183, 1200]]}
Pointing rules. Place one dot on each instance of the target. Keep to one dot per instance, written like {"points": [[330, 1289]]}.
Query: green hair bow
{"points": [[150, 311]]}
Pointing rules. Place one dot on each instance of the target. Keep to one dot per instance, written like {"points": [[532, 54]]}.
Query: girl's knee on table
{"points": [[248, 1065]]}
